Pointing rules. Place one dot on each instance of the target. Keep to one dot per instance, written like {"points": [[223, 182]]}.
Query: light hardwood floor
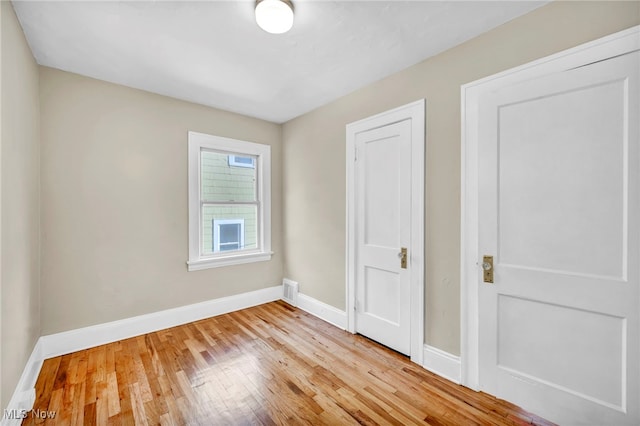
{"points": [[270, 364]]}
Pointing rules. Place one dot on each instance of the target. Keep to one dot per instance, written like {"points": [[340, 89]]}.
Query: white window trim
{"points": [[262, 153], [216, 231], [236, 163]]}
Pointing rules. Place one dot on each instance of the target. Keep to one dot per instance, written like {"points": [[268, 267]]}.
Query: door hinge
{"points": [[355, 155]]}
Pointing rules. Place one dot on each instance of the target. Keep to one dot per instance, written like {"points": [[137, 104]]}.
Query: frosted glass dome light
{"points": [[274, 16]]}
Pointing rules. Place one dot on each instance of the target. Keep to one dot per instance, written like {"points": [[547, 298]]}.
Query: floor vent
{"points": [[290, 292]]}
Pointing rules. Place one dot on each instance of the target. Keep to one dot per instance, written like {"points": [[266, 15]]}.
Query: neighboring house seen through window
{"points": [[229, 201], [228, 234], [235, 160]]}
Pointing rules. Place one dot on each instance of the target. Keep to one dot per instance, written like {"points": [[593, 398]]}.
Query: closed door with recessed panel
{"points": [[383, 211], [559, 216]]}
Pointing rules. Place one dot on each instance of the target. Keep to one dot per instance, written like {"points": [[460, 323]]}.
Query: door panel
{"points": [[383, 185], [381, 298], [558, 209], [582, 130], [379, 159], [591, 340]]}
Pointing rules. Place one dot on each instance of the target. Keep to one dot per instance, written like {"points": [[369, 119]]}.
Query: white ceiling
{"points": [[213, 53]]}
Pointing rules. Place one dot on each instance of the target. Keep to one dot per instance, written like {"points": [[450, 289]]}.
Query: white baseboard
{"points": [[323, 311], [83, 338], [442, 363], [24, 396], [88, 337]]}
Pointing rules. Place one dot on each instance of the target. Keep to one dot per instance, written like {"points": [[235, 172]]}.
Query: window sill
{"points": [[216, 262]]}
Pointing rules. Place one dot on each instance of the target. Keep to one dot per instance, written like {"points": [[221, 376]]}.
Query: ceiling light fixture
{"points": [[274, 16]]}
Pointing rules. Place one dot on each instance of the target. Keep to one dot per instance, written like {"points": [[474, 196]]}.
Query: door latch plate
{"points": [[403, 258], [487, 269]]}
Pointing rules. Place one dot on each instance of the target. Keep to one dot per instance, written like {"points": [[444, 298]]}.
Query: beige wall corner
{"points": [[114, 202], [314, 153], [19, 202]]}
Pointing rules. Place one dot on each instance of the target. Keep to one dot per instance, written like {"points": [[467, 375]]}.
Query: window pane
{"points": [[230, 233], [235, 160], [222, 181], [228, 228]]}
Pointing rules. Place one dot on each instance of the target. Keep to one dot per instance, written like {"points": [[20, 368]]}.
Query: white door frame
{"points": [[414, 111], [613, 45]]}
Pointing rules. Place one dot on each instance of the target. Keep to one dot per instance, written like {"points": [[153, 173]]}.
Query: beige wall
{"points": [[314, 153], [20, 211], [114, 202]]}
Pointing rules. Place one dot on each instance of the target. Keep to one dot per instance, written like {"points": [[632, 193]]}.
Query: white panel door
{"points": [[559, 172], [383, 211]]}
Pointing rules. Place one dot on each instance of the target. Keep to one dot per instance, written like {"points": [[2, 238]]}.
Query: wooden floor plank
{"points": [[267, 365]]}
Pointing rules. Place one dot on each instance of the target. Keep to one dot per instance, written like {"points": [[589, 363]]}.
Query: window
{"points": [[228, 234], [229, 201], [237, 161]]}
